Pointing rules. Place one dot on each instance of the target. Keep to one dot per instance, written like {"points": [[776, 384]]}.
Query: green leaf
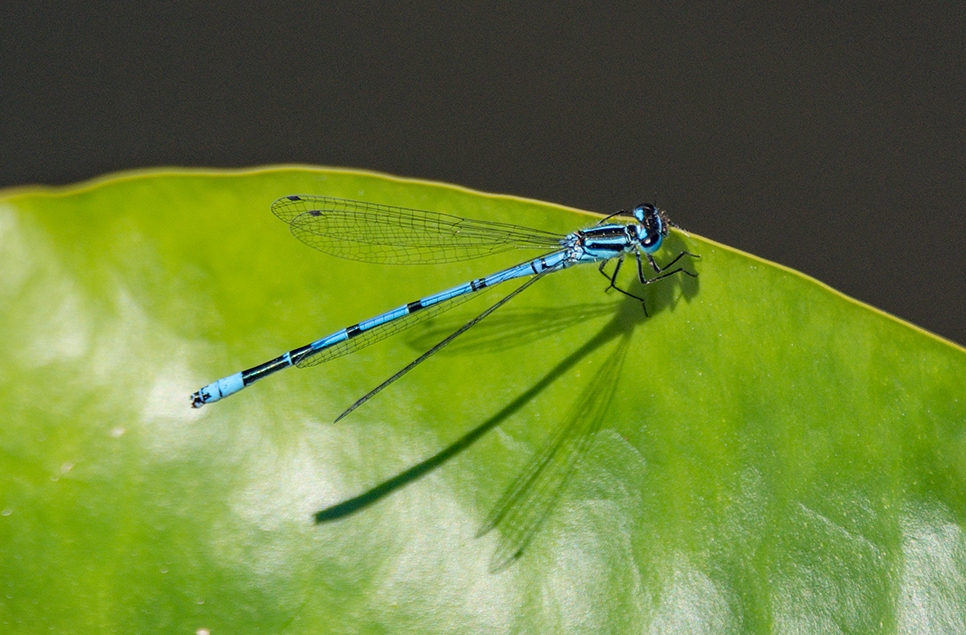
{"points": [[764, 455]]}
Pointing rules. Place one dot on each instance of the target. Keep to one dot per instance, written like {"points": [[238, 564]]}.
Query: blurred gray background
{"points": [[830, 139]]}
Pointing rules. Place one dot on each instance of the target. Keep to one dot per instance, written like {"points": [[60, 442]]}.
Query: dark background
{"points": [[831, 140]]}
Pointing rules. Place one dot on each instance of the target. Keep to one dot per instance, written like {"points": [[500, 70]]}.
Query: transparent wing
{"points": [[385, 234], [383, 331], [531, 497]]}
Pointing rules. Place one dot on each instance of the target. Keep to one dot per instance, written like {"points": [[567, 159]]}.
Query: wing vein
{"points": [[386, 234]]}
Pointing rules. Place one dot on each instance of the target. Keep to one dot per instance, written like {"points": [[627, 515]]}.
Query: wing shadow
{"points": [[549, 471]]}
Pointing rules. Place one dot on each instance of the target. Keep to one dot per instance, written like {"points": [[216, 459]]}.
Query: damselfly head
{"points": [[654, 224]]}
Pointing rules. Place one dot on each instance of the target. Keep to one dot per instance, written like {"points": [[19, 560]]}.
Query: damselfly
{"points": [[387, 234]]}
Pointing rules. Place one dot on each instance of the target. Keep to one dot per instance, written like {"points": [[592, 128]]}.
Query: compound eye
{"points": [[654, 230]]}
